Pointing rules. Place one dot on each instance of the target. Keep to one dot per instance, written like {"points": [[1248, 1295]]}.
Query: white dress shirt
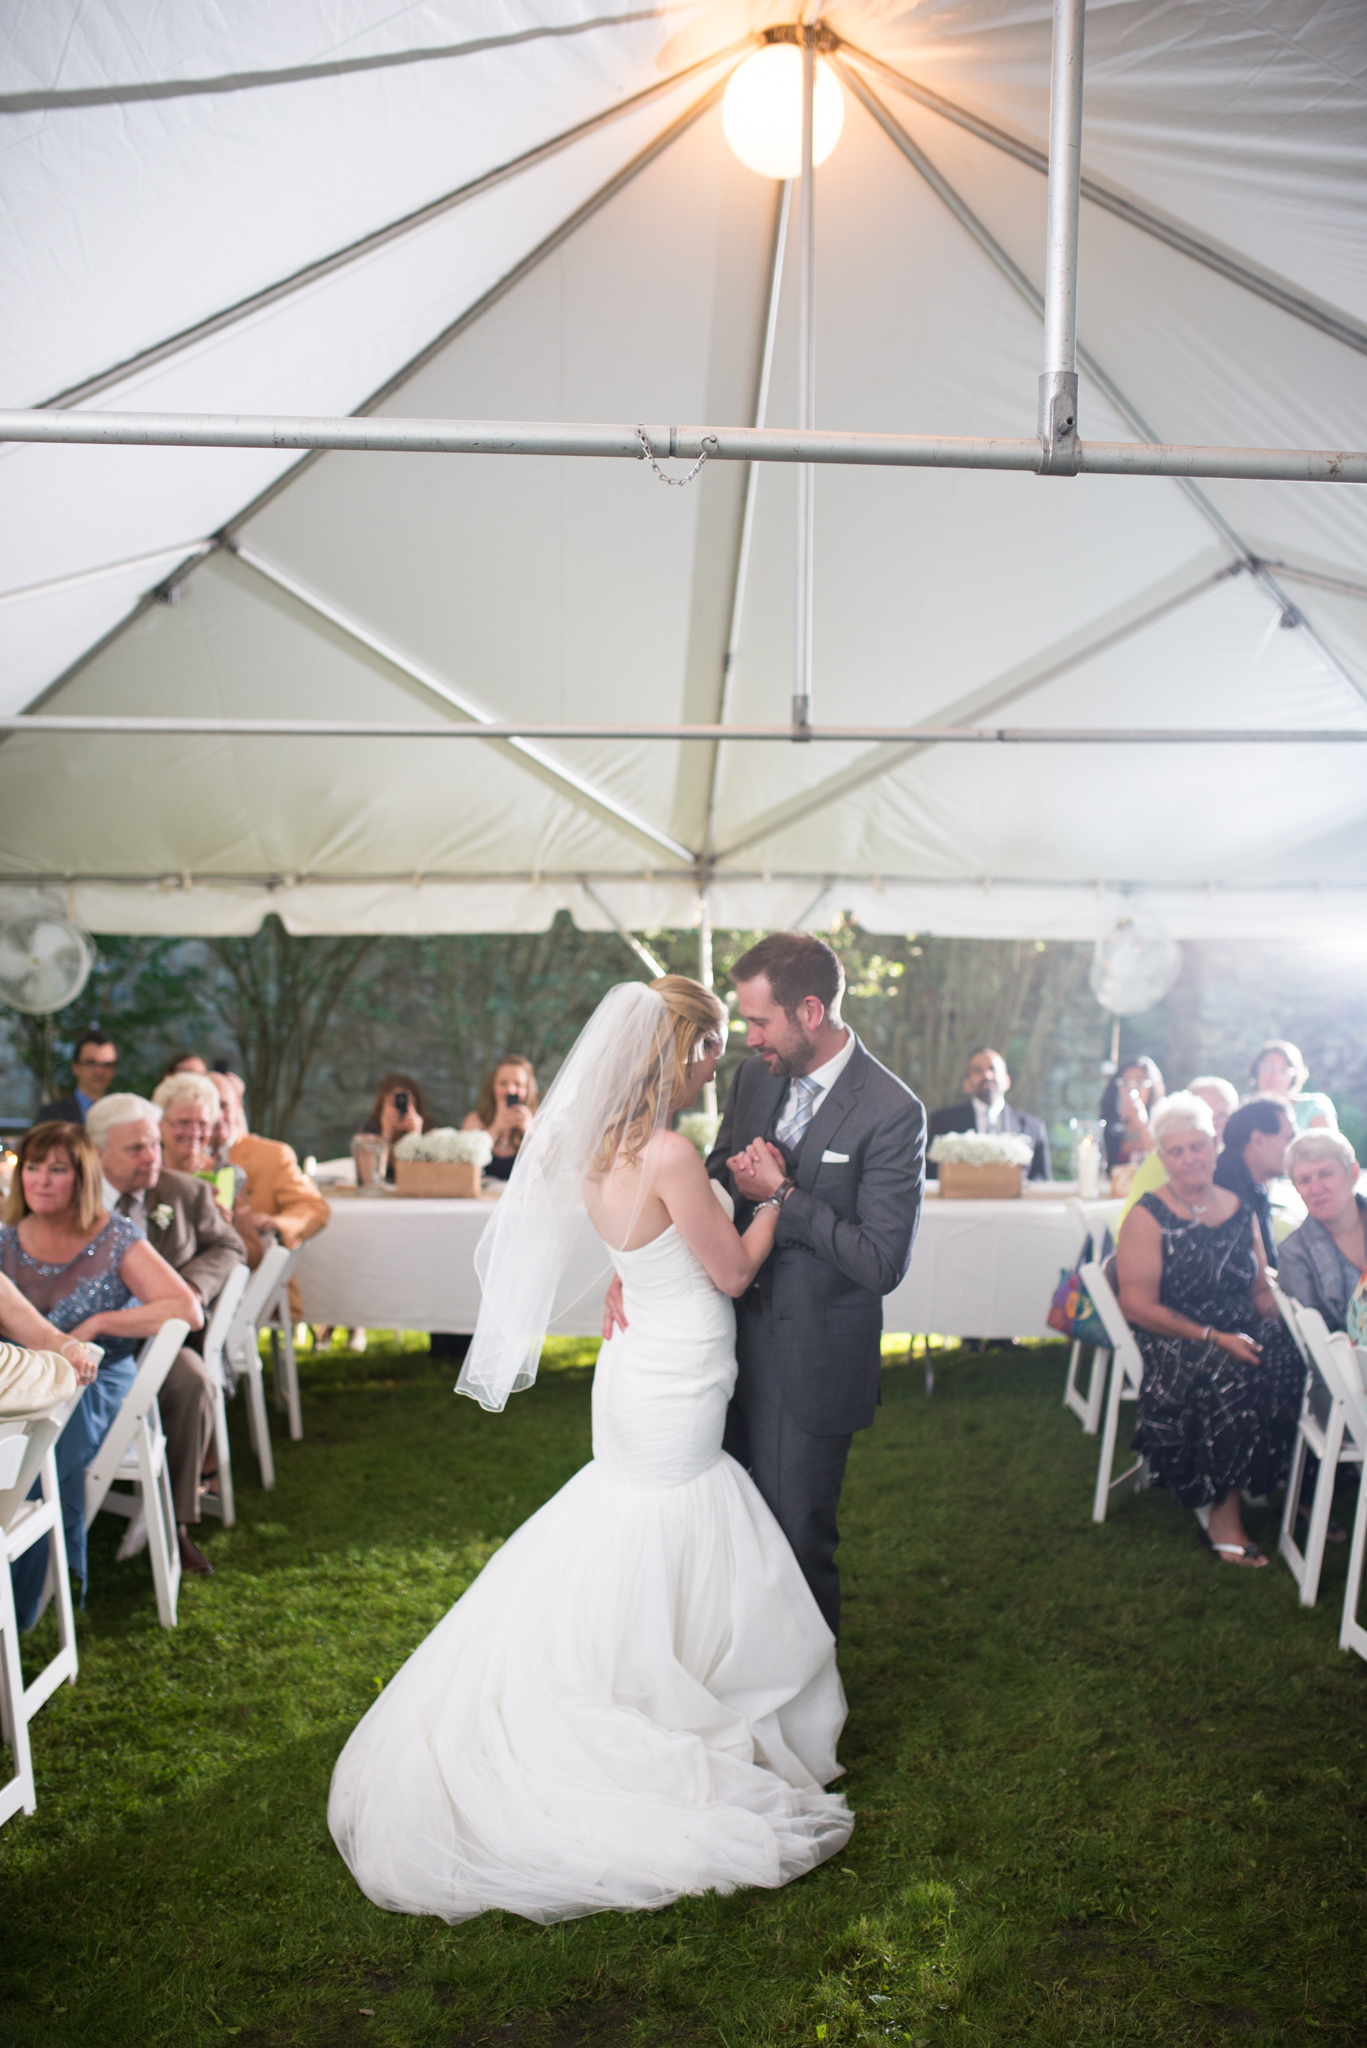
{"points": [[824, 1077], [137, 1203], [987, 1117]]}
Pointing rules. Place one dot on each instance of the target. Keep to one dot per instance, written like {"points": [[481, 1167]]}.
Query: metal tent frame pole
{"points": [[1058, 382], [806, 392]]}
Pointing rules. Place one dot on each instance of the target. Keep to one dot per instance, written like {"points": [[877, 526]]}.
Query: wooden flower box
{"points": [[455, 1179], [959, 1183]]}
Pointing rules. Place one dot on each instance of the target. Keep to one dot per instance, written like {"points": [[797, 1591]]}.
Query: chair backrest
{"points": [[1286, 1309], [1332, 1356], [224, 1311], [155, 1360], [25, 1441], [1122, 1338], [262, 1288]]}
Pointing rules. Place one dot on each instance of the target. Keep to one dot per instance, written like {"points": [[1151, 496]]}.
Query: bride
{"points": [[638, 1697]]}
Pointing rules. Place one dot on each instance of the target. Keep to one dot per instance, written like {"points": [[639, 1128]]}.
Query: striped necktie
{"points": [[802, 1096]]}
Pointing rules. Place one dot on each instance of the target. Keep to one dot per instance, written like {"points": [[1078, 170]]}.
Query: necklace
{"points": [[1196, 1208]]}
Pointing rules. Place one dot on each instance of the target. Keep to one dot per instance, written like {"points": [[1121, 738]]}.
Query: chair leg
{"points": [[20, 1794], [1352, 1633], [1071, 1397], [1096, 1391], [1106, 1461], [162, 1545], [287, 1370], [225, 1506], [256, 1419], [1318, 1533], [1287, 1545]]}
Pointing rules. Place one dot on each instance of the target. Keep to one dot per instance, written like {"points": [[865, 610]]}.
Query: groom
{"points": [[816, 1121]]}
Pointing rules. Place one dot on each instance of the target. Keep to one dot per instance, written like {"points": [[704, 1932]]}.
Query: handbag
{"points": [[1071, 1312]]}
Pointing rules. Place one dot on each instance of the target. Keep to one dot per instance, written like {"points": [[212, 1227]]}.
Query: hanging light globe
{"points": [[761, 111]]}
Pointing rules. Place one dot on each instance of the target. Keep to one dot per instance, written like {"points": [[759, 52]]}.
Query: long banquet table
{"points": [[980, 1269]]}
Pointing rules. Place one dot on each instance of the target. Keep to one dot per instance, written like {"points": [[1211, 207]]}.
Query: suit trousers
{"points": [[187, 1401], [799, 1476]]}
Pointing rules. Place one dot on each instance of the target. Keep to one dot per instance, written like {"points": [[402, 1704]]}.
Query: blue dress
{"points": [[89, 1284]]}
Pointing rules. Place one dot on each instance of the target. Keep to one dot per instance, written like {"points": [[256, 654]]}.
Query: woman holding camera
{"points": [[506, 1106]]}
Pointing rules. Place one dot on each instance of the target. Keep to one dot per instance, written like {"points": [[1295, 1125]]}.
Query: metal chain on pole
{"points": [[678, 483]]}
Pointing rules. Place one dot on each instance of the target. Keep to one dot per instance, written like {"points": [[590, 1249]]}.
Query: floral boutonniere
{"points": [[161, 1216]]}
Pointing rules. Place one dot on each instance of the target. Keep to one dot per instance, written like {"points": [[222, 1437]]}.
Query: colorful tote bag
{"points": [[1071, 1312]]}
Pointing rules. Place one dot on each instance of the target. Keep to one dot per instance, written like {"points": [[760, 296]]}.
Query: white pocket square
{"points": [[835, 1159]]}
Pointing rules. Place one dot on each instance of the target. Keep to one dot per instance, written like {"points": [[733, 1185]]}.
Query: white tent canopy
{"points": [[530, 212]]}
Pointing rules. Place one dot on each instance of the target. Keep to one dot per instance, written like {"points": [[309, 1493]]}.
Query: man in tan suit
{"points": [[183, 1222], [280, 1198]]}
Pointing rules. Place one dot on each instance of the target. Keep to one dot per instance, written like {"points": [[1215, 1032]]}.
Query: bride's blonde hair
{"points": [[696, 1023]]}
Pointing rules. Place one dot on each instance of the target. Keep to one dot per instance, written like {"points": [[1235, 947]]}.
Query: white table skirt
{"points": [[980, 1269]]}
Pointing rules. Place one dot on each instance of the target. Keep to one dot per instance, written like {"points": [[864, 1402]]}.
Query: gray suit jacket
{"points": [[197, 1239], [1311, 1271], [814, 1316]]}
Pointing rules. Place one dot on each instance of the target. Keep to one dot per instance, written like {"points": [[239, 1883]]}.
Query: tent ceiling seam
{"points": [[272, 882], [977, 705], [1009, 269], [1329, 320], [365, 245], [577, 788], [62, 99]]}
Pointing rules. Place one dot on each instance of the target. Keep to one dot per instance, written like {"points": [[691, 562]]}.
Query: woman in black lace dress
{"points": [[1222, 1378]]}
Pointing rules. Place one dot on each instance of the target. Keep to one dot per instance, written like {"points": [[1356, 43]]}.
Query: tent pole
{"points": [[705, 976], [747, 524], [1058, 384], [806, 382], [629, 938]]}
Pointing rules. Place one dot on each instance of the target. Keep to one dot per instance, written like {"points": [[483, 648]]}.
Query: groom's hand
{"points": [[759, 1171], [614, 1315]]}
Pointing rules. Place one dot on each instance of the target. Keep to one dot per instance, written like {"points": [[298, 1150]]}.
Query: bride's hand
{"points": [[614, 1315], [759, 1171]]}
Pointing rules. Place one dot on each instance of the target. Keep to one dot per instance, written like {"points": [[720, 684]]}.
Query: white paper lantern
{"points": [[761, 111]]}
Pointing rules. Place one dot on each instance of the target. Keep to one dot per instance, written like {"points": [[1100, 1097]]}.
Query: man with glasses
{"points": [[94, 1064]]}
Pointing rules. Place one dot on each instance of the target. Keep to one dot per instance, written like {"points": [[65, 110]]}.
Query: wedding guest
{"points": [[93, 1064], [1221, 1099], [1278, 1069], [1130, 1099], [507, 1103], [95, 1276], [277, 1198], [987, 1110], [184, 1222], [182, 1063], [36, 1382], [1221, 1392], [397, 1109], [1321, 1264], [1256, 1138], [190, 1110]]}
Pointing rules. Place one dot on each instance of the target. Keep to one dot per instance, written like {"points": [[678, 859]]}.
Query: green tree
{"points": [[277, 996]]}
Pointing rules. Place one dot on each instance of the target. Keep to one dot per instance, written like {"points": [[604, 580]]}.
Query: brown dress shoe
{"points": [[192, 1558]]}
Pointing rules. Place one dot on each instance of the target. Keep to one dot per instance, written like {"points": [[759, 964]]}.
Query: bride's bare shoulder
{"points": [[670, 1152]]}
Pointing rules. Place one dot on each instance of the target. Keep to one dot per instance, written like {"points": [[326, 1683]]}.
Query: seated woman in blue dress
{"points": [[94, 1276], [1222, 1379]]}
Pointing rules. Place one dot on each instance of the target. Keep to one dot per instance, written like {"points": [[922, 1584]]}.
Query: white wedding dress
{"points": [[638, 1697]]}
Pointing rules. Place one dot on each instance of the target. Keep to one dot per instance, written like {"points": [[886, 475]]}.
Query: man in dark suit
{"points": [[817, 1123], [987, 1109], [94, 1064], [183, 1222]]}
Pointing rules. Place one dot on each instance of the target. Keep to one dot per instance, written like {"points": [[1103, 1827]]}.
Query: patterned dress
{"points": [[1209, 1422], [87, 1285]]}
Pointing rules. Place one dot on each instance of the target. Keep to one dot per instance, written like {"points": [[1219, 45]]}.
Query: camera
{"points": [[402, 1098], [513, 1098]]}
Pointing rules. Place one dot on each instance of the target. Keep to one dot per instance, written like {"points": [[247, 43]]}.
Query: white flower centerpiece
{"points": [[441, 1162], [985, 1164]]}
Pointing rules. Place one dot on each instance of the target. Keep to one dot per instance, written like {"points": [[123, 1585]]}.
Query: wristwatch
{"points": [[778, 1197]]}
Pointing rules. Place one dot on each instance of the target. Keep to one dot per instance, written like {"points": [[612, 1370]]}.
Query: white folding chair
{"points": [[263, 1291], [135, 1451], [1352, 1633], [218, 1499], [1332, 1425], [1127, 1377], [278, 1321], [1087, 1407], [27, 1452]]}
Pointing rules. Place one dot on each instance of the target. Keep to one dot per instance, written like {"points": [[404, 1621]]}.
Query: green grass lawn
{"points": [[1108, 1790]]}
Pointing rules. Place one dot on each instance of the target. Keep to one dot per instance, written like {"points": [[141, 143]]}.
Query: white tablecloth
{"points": [[980, 1269]]}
